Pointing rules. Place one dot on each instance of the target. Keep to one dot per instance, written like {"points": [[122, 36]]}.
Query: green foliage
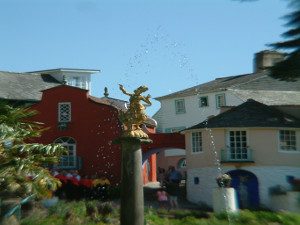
{"points": [[77, 213], [114, 192], [22, 170], [289, 69]]}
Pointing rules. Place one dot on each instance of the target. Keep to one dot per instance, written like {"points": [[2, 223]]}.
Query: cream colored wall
{"points": [[207, 157], [265, 145], [263, 142]]}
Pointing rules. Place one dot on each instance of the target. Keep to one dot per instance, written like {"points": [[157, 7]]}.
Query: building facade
{"points": [[258, 145], [84, 124], [187, 107]]}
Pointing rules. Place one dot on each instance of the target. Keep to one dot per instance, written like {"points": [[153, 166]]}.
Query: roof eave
{"points": [[66, 70]]}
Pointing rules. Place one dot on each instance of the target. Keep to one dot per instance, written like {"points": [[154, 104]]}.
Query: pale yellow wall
{"points": [[207, 156], [263, 141], [265, 145]]}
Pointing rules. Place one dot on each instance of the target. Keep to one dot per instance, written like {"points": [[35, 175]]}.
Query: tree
{"points": [[289, 69], [22, 164]]}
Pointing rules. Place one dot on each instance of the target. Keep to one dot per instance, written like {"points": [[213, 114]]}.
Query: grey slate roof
{"points": [[269, 97], [24, 86], [117, 103], [253, 81], [250, 114]]}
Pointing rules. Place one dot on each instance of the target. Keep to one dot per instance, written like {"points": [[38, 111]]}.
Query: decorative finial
{"points": [[64, 81], [106, 94]]}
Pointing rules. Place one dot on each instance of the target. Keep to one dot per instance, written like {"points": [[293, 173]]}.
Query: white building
{"points": [[188, 107], [74, 77]]}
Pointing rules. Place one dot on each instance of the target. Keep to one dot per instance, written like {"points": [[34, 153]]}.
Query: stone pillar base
{"points": [[224, 200]]}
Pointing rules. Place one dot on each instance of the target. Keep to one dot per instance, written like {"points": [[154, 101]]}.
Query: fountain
{"points": [[132, 196]]}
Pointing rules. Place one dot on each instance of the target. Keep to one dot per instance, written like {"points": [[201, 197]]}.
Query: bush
{"points": [[105, 209], [95, 213]]}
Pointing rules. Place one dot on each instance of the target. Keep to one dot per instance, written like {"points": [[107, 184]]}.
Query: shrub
{"points": [[105, 208]]}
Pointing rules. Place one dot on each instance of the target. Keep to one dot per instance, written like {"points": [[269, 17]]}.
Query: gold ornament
{"points": [[135, 114]]}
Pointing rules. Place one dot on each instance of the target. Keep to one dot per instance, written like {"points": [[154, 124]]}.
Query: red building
{"points": [[87, 127]]}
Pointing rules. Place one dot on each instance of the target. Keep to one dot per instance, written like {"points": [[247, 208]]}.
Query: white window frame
{"points": [[182, 109], [196, 149], [218, 102], [280, 145], [60, 104], [200, 102], [78, 81], [235, 148], [70, 159]]}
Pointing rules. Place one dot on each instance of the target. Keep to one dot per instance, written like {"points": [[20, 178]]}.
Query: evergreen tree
{"points": [[22, 164], [289, 69]]}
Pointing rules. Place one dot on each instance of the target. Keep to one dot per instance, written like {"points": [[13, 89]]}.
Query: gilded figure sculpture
{"points": [[135, 115]]}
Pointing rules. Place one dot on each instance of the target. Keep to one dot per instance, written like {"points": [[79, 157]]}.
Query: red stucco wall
{"points": [[93, 125]]}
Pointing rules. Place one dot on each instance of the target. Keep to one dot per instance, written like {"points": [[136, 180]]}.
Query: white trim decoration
{"points": [[64, 112]]}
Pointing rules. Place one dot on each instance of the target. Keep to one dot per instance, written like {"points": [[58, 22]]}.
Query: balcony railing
{"points": [[237, 155], [69, 162]]}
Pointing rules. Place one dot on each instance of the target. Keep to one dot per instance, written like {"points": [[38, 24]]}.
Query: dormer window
{"points": [[203, 101], [220, 100], [179, 106], [64, 112], [77, 82]]}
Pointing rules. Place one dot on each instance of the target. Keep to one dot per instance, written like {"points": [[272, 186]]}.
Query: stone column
{"points": [[224, 200], [132, 195], [153, 177]]}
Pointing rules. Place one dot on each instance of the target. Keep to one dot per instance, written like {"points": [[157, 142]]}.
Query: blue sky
{"points": [[168, 45]]}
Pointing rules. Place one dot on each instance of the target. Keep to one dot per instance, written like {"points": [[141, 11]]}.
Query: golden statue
{"points": [[135, 114]]}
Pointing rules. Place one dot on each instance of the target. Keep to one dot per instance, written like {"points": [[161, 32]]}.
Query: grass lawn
{"points": [[92, 213]]}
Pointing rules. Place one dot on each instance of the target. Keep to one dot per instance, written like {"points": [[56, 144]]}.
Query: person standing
{"points": [[174, 175], [173, 192], [161, 176], [162, 198]]}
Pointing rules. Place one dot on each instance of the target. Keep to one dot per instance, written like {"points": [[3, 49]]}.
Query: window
{"points": [[181, 163], [238, 145], [179, 106], [220, 100], [196, 142], [69, 160], [73, 81], [77, 82], [203, 101], [287, 140], [64, 112]]}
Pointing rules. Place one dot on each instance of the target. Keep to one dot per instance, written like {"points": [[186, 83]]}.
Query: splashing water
{"points": [[217, 163], [157, 47]]}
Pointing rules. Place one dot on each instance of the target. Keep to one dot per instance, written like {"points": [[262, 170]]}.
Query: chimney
{"points": [[267, 58]]}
